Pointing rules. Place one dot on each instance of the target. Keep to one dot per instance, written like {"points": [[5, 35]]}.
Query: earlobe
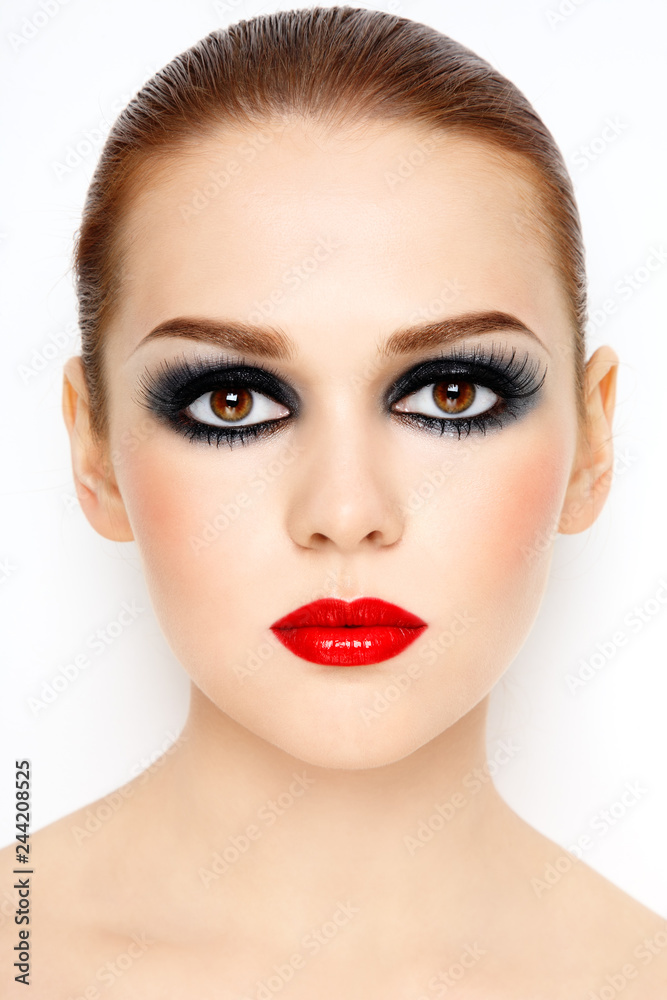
{"points": [[94, 477], [592, 472]]}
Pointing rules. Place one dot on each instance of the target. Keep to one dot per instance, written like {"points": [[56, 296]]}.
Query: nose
{"points": [[343, 496]]}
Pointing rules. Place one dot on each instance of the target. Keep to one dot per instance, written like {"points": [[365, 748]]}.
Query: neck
{"points": [[251, 815]]}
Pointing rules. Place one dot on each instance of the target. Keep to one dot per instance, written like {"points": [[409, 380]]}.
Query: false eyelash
{"points": [[212, 434], [176, 384], [515, 381], [458, 425], [506, 375], [168, 391]]}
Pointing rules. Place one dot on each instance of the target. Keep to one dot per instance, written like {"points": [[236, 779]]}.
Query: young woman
{"points": [[334, 246]]}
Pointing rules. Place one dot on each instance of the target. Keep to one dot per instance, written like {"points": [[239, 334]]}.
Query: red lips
{"points": [[347, 634]]}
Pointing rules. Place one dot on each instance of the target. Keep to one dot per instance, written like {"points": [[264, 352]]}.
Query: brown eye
{"points": [[454, 397], [231, 404], [449, 400]]}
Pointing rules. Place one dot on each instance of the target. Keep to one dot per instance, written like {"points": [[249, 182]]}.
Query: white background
{"points": [[60, 582]]}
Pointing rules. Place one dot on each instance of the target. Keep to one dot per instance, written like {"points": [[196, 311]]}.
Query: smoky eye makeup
{"points": [[463, 390], [210, 400], [469, 388]]}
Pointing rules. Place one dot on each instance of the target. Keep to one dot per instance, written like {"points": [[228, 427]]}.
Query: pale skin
{"points": [[334, 519]]}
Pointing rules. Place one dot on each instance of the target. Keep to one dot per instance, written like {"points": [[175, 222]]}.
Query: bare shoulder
{"points": [[63, 896], [588, 932], [630, 939]]}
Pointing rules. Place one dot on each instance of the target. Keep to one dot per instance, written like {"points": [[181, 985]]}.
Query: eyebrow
{"points": [[269, 342], [444, 331]]}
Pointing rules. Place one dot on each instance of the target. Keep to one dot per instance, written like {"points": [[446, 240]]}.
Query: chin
{"points": [[346, 741], [360, 756]]}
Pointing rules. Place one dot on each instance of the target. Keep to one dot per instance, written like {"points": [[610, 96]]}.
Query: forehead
{"points": [[362, 230]]}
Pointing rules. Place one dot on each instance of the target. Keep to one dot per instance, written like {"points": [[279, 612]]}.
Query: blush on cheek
{"points": [[533, 489], [498, 523], [165, 510], [502, 543]]}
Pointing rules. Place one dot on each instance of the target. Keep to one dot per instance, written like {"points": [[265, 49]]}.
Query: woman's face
{"points": [[338, 245]]}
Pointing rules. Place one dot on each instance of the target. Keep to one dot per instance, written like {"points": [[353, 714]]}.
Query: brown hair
{"points": [[334, 66]]}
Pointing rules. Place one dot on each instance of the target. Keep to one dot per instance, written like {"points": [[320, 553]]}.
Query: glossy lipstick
{"points": [[348, 633]]}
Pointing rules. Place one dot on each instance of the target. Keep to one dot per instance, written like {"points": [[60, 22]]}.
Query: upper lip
{"points": [[365, 611]]}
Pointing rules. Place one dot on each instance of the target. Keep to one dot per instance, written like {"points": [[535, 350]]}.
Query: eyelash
{"points": [[175, 386]]}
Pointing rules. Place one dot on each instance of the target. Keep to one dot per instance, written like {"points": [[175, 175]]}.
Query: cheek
{"points": [[514, 511], [482, 557], [490, 527], [159, 506], [193, 526], [528, 509]]}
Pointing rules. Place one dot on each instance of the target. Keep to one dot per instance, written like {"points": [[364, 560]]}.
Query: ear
{"points": [[592, 471], [94, 476]]}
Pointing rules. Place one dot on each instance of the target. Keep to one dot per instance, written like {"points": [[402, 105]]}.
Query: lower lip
{"points": [[348, 647]]}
